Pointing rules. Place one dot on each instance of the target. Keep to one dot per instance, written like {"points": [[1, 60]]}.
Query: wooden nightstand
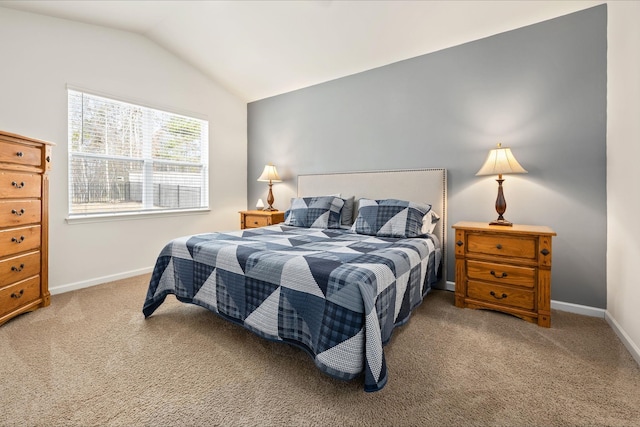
{"points": [[507, 269], [255, 219]]}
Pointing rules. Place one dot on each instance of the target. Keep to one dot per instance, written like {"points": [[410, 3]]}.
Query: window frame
{"points": [[147, 160]]}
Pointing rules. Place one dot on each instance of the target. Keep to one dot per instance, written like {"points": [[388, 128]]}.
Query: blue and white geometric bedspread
{"points": [[336, 294]]}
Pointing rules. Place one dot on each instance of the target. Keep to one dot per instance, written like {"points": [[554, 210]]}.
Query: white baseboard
{"points": [[98, 281], [624, 337], [578, 309], [449, 286]]}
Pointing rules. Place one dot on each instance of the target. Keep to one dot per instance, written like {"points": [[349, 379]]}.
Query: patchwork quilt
{"points": [[334, 293]]}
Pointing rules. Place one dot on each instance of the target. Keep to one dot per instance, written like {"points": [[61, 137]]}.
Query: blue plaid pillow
{"points": [[390, 218], [315, 212]]}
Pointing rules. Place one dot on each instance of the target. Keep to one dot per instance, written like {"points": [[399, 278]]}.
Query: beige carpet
{"points": [[92, 359]]}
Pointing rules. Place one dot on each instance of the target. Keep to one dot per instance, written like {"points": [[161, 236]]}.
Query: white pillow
{"points": [[429, 222]]}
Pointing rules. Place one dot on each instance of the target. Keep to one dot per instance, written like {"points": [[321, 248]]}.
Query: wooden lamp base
{"points": [[501, 206]]}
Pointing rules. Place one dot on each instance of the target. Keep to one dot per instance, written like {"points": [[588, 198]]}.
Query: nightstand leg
{"points": [[461, 284]]}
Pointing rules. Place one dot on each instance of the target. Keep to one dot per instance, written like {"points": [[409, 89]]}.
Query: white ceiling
{"points": [[258, 49]]}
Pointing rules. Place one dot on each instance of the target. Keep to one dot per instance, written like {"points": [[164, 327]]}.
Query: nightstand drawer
{"points": [[254, 221], [503, 295], [496, 244], [503, 273]]}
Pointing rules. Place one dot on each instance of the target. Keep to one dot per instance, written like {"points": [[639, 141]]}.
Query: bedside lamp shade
{"points": [[500, 161], [270, 175]]}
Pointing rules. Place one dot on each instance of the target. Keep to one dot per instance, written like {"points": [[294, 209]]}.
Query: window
{"points": [[126, 158]]}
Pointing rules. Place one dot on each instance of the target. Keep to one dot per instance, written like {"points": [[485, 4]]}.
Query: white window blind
{"points": [[126, 158]]}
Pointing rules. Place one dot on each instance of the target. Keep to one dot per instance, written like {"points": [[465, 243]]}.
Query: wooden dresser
{"points": [[24, 194], [507, 269], [255, 219]]}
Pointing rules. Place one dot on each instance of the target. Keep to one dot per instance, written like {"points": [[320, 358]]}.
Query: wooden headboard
{"points": [[416, 185]]}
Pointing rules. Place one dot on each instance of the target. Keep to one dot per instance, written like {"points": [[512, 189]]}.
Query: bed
{"points": [[333, 289]]}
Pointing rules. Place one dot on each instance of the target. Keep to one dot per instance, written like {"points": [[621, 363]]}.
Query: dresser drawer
{"points": [[19, 267], [20, 154], [16, 240], [16, 185], [503, 273], [497, 244], [19, 212], [503, 295], [19, 294]]}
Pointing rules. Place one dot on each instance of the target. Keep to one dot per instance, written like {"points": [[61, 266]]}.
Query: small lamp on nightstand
{"points": [[270, 175], [500, 161]]}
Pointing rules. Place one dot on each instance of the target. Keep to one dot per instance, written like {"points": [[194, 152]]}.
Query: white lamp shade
{"points": [[269, 174], [500, 161]]}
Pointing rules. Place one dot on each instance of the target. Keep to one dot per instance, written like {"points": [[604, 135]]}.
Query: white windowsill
{"points": [[128, 216]]}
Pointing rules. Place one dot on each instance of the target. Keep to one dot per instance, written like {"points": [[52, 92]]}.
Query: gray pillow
{"points": [[347, 211]]}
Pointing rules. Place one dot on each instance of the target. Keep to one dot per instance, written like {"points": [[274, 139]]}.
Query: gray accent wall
{"points": [[540, 90]]}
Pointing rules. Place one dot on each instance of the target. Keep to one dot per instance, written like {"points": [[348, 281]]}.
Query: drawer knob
{"points": [[48, 159], [459, 243], [19, 154], [17, 295], [499, 246], [15, 184], [19, 213], [20, 240], [501, 276], [493, 294], [17, 269], [544, 252]]}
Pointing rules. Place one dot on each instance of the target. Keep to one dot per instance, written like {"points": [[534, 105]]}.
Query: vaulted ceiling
{"points": [[258, 49]]}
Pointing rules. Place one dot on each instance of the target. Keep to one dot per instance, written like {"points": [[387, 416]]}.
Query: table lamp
{"points": [[270, 175], [500, 161]]}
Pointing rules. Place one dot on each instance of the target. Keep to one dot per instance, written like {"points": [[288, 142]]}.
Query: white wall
{"points": [[623, 152], [40, 56]]}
